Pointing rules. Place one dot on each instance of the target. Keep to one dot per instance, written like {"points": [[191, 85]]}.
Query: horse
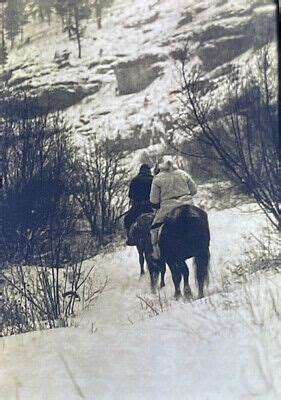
{"points": [[140, 231], [185, 234]]}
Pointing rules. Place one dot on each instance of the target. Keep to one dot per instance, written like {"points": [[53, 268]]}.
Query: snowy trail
{"points": [[115, 354], [119, 304]]}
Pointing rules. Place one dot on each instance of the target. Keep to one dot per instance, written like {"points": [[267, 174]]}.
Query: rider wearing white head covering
{"points": [[171, 187]]}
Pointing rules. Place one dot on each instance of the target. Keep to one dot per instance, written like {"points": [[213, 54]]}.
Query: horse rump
{"points": [[185, 233]]}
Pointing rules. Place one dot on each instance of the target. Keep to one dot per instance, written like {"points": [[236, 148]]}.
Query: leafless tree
{"points": [[236, 125], [101, 189], [45, 295], [38, 236], [36, 202]]}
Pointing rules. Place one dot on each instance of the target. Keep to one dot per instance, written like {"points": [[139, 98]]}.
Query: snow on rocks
{"points": [[105, 50], [136, 74]]}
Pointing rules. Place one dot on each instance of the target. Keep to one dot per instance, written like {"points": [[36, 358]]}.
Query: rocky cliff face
{"points": [[126, 80]]}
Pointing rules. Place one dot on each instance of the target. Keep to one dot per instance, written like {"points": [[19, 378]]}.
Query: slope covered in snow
{"points": [[127, 79], [224, 346]]}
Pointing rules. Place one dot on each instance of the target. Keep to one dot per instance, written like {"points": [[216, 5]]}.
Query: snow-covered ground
{"points": [[224, 346]]}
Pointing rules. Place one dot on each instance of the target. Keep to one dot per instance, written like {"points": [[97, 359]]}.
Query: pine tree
{"points": [[45, 8], [61, 9], [3, 47], [75, 5], [98, 7], [13, 19], [73, 11], [3, 52]]}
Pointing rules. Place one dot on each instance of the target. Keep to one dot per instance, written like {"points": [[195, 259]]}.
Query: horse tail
{"points": [[202, 263]]}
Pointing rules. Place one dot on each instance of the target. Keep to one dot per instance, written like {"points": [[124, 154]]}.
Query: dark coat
{"points": [[139, 195], [140, 187]]}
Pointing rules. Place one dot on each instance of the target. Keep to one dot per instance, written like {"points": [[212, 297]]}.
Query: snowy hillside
{"points": [[127, 80], [224, 346]]}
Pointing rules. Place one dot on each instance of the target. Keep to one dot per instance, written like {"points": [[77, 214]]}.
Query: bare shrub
{"points": [[236, 126], [154, 306], [39, 242], [262, 258], [92, 288], [36, 204], [44, 296], [101, 185]]}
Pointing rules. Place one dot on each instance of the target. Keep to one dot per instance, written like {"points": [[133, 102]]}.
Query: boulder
{"points": [[62, 58], [93, 64], [199, 9], [104, 69], [107, 61], [152, 17], [17, 79], [186, 18], [135, 75]]}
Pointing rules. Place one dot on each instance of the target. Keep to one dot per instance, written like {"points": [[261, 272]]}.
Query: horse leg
{"points": [[154, 274], [162, 270], [176, 276], [186, 287], [202, 271], [141, 261], [162, 282], [153, 280]]}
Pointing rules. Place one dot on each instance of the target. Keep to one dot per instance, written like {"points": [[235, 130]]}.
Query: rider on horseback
{"points": [[171, 187], [139, 198]]}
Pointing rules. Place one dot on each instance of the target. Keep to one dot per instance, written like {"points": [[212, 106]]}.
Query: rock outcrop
{"points": [[54, 97], [230, 36], [62, 58], [59, 97], [152, 17], [136, 46], [222, 50], [186, 18], [135, 75]]}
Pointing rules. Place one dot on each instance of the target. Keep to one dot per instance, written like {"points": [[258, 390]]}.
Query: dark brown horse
{"points": [[185, 234], [141, 235]]}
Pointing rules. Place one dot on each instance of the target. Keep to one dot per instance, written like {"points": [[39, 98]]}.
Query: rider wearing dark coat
{"points": [[139, 196]]}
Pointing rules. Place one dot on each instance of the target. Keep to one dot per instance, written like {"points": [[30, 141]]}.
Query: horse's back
{"points": [[185, 213]]}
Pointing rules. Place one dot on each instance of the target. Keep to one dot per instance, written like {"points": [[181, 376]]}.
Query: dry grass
{"points": [[153, 306]]}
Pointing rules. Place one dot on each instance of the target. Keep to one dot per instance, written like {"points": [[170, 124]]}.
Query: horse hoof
{"points": [[200, 296], [162, 285], [142, 273], [177, 295], [153, 291], [188, 294]]}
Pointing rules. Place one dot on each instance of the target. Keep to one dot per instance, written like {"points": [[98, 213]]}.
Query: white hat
{"points": [[166, 163]]}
